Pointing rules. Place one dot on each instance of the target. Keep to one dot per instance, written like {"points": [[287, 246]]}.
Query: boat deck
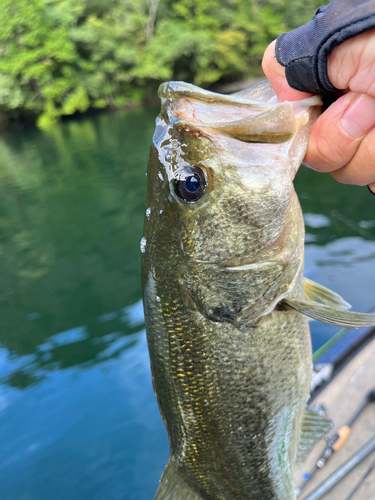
{"points": [[341, 398]]}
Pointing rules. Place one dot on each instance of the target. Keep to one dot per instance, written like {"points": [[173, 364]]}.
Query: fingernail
{"points": [[372, 188], [359, 118], [307, 165]]}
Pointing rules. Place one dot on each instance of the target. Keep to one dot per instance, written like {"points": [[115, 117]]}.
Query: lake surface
{"points": [[78, 418]]}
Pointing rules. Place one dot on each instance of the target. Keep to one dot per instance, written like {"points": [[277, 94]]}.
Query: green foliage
{"points": [[60, 57]]}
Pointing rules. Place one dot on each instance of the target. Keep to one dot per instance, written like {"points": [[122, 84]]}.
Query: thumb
{"points": [[276, 76]]}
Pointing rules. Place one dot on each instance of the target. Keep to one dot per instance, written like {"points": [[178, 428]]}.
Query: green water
{"points": [[78, 418]]}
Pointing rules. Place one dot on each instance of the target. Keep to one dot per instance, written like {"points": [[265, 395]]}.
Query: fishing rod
{"points": [[342, 471], [337, 441], [361, 481]]}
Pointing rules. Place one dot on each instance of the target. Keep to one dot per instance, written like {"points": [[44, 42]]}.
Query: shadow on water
{"points": [[78, 418]]}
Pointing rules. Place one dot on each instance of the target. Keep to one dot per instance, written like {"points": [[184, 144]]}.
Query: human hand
{"points": [[342, 139]]}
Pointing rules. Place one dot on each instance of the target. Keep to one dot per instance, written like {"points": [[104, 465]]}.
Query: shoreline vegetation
{"points": [[63, 57]]}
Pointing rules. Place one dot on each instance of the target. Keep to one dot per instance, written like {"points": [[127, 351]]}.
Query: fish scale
{"points": [[226, 370], [225, 300]]}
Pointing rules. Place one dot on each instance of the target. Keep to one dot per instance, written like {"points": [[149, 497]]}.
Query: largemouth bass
{"points": [[225, 300]]}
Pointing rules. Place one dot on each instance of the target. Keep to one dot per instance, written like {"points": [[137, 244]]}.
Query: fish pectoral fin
{"points": [[319, 293], [314, 427], [332, 315], [174, 487]]}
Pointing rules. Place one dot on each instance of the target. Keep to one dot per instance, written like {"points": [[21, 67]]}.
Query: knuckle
{"points": [[327, 154], [360, 170], [340, 177]]}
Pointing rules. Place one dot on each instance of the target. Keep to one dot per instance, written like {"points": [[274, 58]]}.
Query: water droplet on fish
{"points": [[157, 298], [143, 245], [171, 155], [160, 176], [161, 211], [148, 212], [240, 428]]}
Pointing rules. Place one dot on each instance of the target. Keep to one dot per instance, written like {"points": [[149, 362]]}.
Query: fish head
{"points": [[226, 215]]}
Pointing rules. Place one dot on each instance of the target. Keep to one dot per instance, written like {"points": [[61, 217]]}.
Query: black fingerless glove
{"points": [[304, 51]]}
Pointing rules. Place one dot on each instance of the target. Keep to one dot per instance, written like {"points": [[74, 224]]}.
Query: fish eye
{"points": [[190, 184]]}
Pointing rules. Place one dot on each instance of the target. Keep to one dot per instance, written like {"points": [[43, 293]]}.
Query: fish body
{"points": [[222, 263]]}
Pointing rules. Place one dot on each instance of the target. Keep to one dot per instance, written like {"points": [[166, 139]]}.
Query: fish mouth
{"points": [[255, 115]]}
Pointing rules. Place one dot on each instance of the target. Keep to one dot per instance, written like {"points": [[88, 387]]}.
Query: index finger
{"points": [[276, 76]]}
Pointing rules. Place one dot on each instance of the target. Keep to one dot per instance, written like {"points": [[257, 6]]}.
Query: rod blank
{"points": [[342, 471]]}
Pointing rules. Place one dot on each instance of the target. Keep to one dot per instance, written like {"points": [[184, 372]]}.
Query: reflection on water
{"points": [[78, 418], [71, 215], [87, 434], [76, 395], [56, 351]]}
